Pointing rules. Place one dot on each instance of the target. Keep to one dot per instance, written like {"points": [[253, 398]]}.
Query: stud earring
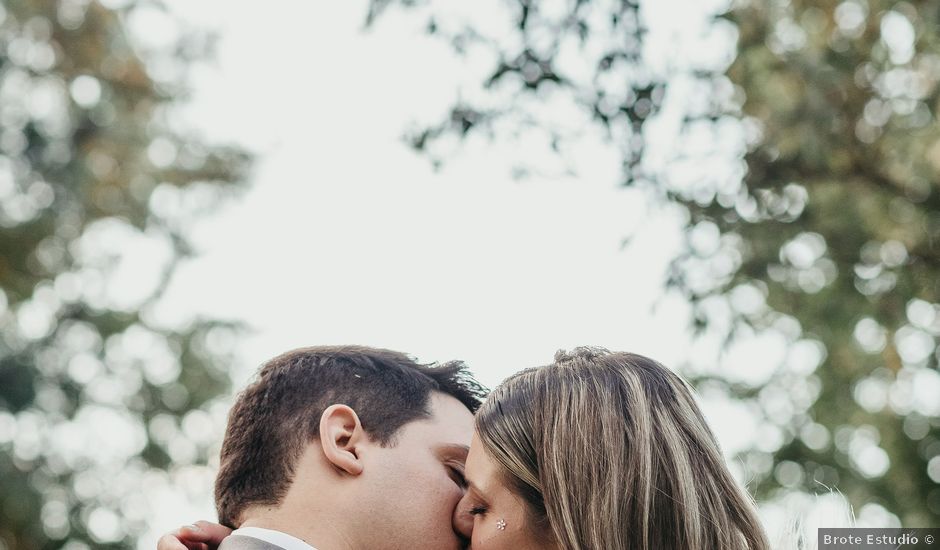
{"points": [[501, 525]]}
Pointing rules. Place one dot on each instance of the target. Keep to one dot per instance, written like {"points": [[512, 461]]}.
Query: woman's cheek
{"points": [[485, 537]]}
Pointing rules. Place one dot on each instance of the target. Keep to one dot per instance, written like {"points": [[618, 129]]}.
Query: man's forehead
{"points": [[451, 411], [450, 423]]}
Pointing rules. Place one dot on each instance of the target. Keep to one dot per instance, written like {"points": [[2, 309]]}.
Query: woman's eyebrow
{"points": [[471, 486]]}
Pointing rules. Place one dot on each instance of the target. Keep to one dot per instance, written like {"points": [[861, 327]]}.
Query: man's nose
{"points": [[463, 521]]}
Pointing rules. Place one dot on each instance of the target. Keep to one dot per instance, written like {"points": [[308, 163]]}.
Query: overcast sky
{"points": [[348, 236]]}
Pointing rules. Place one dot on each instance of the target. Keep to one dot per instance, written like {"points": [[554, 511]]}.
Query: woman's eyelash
{"points": [[478, 510]]}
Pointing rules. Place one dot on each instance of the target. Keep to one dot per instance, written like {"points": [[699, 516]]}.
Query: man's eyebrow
{"points": [[454, 450]]}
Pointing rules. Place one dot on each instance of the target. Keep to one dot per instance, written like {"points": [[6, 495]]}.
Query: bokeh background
{"points": [[748, 191]]}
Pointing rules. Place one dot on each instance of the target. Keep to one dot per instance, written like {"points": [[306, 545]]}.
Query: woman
{"points": [[601, 450], [596, 451]]}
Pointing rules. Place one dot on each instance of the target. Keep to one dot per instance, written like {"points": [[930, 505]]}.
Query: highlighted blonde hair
{"points": [[609, 451]]}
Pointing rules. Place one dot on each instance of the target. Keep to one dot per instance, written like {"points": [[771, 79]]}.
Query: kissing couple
{"points": [[355, 448]]}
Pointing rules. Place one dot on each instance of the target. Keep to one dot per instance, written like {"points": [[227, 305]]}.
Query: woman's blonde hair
{"points": [[610, 452]]}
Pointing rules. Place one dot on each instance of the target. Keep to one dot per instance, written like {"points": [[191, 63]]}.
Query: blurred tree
{"points": [[99, 388], [808, 172]]}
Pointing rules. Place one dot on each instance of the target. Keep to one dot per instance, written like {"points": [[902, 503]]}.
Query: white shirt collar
{"points": [[276, 538]]}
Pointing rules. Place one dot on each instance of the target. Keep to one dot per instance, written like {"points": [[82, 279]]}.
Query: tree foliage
{"points": [[809, 170], [97, 190], [838, 219]]}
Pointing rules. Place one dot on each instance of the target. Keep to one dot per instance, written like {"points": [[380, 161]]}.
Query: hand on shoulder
{"points": [[202, 535]]}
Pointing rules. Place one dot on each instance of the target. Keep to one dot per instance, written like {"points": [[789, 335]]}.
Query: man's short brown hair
{"points": [[275, 417]]}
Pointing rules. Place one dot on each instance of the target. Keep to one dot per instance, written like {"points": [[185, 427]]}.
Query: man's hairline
{"points": [[425, 415]]}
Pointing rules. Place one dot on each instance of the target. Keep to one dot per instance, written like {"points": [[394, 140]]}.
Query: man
{"points": [[343, 448]]}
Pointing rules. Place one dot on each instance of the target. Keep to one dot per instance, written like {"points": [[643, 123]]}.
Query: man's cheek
{"points": [[445, 494]]}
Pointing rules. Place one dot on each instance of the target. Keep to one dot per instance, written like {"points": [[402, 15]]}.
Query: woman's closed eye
{"points": [[478, 510]]}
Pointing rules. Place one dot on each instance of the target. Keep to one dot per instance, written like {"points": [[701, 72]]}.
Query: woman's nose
{"points": [[463, 521]]}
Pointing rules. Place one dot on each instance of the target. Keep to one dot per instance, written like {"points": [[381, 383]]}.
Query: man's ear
{"points": [[341, 437]]}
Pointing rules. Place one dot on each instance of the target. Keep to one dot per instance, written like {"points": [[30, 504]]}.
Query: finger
{"points": [[210, 533], [170, 542], [175, 541]]}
